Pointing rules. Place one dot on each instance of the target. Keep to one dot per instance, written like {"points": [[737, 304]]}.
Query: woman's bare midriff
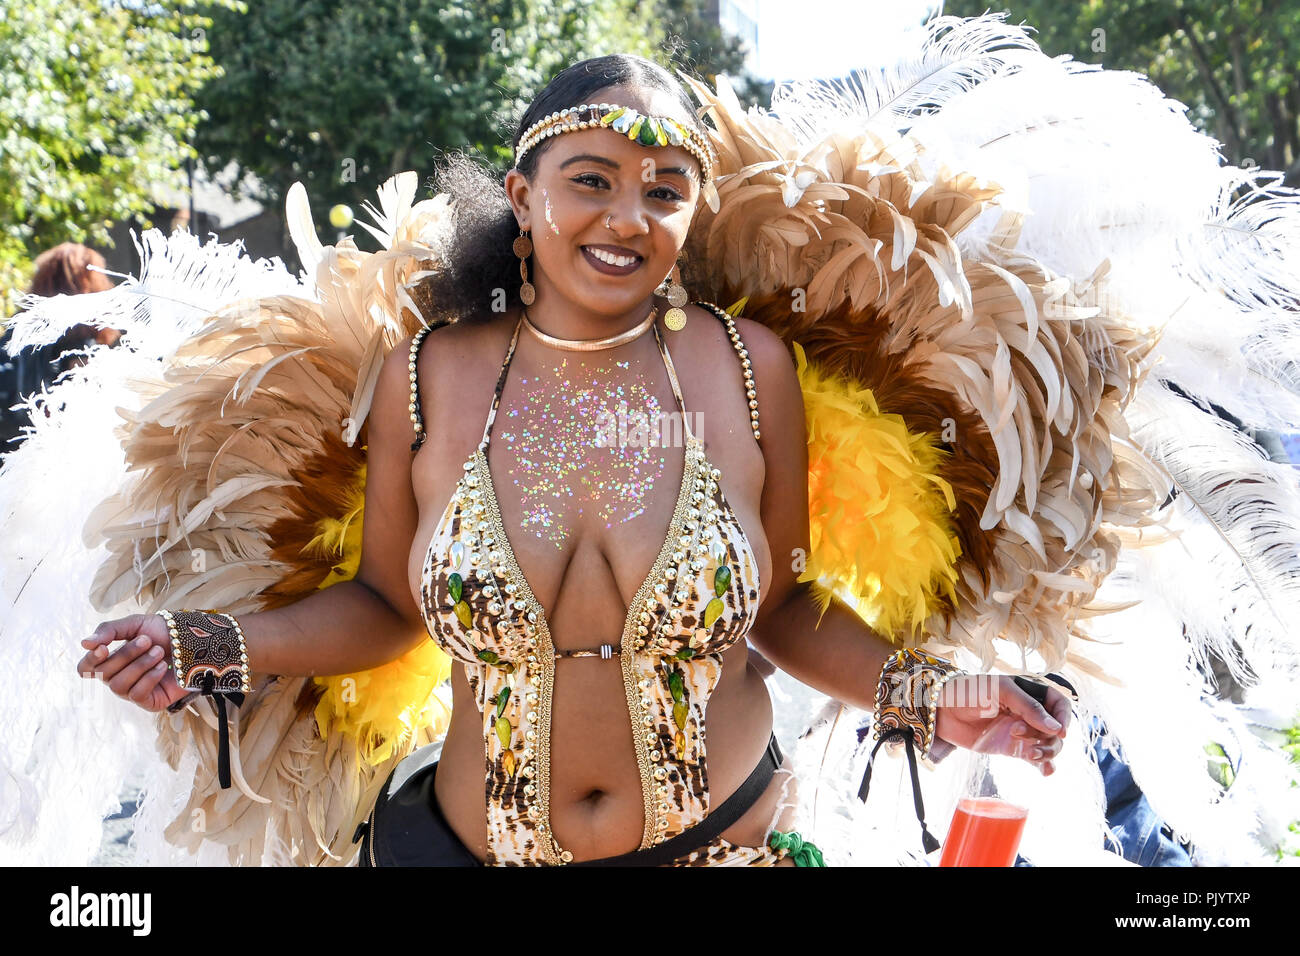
{"points": [[596, 804], [595, 790]]}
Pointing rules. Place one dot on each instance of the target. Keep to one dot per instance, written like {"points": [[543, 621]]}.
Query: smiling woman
{"points": [[599, 600], [588, 684], [592, 169]]}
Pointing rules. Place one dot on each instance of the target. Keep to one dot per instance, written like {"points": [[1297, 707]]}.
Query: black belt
{"points": [[704, 832]]}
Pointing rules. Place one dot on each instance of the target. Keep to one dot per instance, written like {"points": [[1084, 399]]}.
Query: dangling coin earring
{"points": [[675, 318], [523, 247]]}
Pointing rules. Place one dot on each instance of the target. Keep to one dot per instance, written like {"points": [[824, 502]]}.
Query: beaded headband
{"points": [[638, 127]]}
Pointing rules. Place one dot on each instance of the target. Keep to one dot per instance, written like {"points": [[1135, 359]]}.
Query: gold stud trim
{"points": [[543, 666], [654, 821], [746, 366], [413, 406]]}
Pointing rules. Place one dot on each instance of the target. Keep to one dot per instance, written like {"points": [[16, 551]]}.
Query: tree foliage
{"points": [[96, 110], [696, 42], [1233, 64], [340, 95]]}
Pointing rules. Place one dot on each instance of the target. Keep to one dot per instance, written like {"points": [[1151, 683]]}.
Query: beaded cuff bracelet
{"points": [[908, 695], [208, 653]]}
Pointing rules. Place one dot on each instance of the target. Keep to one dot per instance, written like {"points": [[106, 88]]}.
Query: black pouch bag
{"points": [[405, 826]]}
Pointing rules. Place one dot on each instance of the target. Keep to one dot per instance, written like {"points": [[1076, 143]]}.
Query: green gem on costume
{"points": [[677, 684], [649, 133], [463, 615], [721, 581], [680, 713], [712, 611]]}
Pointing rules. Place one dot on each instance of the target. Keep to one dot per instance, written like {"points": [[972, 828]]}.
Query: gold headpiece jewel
{"points": [[638, 127]]}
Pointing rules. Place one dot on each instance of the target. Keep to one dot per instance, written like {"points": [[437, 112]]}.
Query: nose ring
{"points": [[607, 225]]}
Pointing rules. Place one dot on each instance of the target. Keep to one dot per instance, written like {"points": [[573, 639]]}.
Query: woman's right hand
{"points": [[139, 670]]}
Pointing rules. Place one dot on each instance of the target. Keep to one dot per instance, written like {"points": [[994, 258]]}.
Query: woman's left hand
{"points": [[991, 714]]}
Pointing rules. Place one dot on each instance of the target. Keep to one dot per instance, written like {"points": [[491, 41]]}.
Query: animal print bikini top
{"points": [[700, 598]]}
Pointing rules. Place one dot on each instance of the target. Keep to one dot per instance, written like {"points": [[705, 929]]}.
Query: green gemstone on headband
{"points": [[679, 716], [488, 656], [503, 729], [609, 118], [455, 586], [721, 580], [502, 698], [685, 654], [648, 135]]}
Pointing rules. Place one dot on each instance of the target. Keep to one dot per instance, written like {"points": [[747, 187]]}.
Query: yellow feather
{"points": [[881, 534], [384, 707]]}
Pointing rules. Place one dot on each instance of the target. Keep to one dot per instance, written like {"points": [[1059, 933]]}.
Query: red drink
{"points": [[985, 831]]}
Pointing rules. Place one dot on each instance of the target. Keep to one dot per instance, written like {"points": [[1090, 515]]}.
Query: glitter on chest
{"points": [[553, 453]]}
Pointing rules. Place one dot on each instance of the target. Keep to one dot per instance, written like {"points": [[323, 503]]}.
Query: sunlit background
{"points": [[809, 39]]}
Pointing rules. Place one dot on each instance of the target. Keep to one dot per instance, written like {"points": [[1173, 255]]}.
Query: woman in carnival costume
{"points": [[885, 321]]}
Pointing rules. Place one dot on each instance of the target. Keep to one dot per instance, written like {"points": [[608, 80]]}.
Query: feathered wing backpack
{"points": [[1005, 328], [240, 485], [1009, 335]]}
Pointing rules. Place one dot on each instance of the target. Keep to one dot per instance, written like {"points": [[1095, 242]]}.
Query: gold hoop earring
{"points": [[523, 247], [675, 293]]}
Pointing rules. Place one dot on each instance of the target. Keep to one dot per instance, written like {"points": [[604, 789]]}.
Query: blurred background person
{"points": [[63, 270]]}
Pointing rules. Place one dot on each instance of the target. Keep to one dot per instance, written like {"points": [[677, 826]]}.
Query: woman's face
{"points": [[648, 195]]}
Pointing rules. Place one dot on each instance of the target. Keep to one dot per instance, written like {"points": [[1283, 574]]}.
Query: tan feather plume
{"points": [[248, 439], [844, 246]]}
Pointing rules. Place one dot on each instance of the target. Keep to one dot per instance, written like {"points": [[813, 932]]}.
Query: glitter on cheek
{"points": [[549, 220]]}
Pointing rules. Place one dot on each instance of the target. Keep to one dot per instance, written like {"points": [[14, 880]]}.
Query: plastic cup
{"points": [[985, 831]]}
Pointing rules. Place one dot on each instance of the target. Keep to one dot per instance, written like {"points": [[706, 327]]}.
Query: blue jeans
{"points": [[1144, 838]]}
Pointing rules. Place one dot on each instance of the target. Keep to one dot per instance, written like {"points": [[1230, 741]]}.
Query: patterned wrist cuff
{"points": [[208, 653], [908, 696]]}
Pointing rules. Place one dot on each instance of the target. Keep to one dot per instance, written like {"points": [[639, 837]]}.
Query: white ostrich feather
{"points": [[58, 725], [956, 55], [1239, 522]]}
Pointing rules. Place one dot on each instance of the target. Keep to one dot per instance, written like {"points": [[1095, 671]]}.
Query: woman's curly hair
{"points": [[478, 267]]}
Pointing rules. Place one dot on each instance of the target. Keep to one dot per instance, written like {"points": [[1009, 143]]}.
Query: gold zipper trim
{"points": [[544, 664], [645, 766]]}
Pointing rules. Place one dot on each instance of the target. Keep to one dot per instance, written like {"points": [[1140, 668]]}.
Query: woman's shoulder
{"points": [[450, 356], [769, 357], [456, 348], [470, 330], [767, 366]]}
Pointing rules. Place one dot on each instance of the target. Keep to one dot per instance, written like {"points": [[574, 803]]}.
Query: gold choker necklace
{"points": [[591, 345]]}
